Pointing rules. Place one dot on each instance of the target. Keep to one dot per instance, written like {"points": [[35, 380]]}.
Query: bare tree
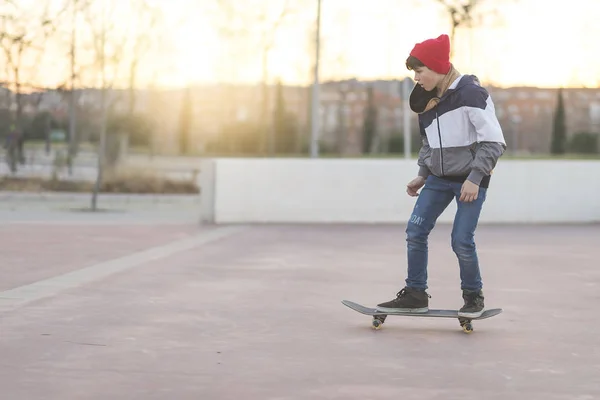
{"points": [[117, 51], [255, 25], [268, 31], [147, 35], [23, 33], [127, 44], [460, 13], [463, 13], [77, 7], [101, 25]]}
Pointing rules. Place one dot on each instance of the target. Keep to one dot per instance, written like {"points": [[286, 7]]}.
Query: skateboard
{"points": [[380, 316]]}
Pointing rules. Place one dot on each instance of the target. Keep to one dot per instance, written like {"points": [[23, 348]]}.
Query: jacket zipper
{"points": [[441, 147]]}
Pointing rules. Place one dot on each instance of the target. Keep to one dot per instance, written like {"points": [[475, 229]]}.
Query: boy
{"points": [[462, 141]]}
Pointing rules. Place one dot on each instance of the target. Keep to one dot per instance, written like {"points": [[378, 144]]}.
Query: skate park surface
{"points": [[114, 306]]}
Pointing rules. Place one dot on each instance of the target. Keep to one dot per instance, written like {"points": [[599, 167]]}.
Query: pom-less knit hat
{"points": [[434, 53]]}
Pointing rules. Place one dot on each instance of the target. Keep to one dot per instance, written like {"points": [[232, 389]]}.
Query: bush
{"points": [[35, 184], [138, 126], [133, 182], [238, 138], [396, 143], [138, 181], [584, 143]]}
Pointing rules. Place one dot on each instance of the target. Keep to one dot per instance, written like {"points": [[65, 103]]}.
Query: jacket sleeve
{"points": [[424, 153], [490, 139]]}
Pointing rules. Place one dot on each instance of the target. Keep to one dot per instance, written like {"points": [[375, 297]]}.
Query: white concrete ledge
{"points": [[373, 191]]}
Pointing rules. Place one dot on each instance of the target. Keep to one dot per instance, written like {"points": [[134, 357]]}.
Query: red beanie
{"points": [[434, 53]]}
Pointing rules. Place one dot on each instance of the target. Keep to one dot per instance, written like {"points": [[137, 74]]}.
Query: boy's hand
{"points": [[413, 186], [469, 191]]}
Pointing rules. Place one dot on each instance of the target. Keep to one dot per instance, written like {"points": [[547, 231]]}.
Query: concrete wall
{"points": [[373, 191]]}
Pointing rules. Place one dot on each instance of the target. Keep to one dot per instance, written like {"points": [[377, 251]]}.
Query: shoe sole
{"points": [[470, 315], [404, 310]]}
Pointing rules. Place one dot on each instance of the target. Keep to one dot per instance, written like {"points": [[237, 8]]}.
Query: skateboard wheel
{"points": [[467, 327], [378, 321]]}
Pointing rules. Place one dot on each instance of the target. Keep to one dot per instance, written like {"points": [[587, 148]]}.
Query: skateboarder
{"points": [[461, 143]]}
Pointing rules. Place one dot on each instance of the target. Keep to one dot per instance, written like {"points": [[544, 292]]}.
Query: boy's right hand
{"points": [[413, 186]]}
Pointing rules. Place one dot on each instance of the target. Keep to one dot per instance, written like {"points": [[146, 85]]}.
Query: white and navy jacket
{"points": [[462, 138]]}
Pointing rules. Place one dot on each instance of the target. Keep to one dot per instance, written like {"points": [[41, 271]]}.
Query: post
{"points": [[314, 137], [406, 83], [206, 182], [102, 146], [516, 120], [72, 103]]}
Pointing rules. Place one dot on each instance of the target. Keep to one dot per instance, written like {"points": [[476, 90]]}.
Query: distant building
{"points": [[525, 113]]}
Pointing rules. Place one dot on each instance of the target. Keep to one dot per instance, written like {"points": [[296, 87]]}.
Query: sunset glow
{"points": [[520, 42]]}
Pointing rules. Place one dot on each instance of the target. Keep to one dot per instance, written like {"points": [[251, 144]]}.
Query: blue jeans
{"points": [[435, 196]]}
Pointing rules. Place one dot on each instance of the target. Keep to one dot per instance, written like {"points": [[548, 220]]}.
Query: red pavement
{"points": [[35, 251], [257, 315]]}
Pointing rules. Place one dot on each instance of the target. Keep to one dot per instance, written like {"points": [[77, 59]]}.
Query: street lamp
{"points": [[314, 137]]}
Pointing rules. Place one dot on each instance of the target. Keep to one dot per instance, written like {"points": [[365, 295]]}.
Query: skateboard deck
{"points": [[380, 316]]}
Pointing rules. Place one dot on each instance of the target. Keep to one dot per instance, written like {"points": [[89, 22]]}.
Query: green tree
{"points": [[185, 122], [559, 129], [584, 143], [285, 124], [370, 122], [237, 138]]}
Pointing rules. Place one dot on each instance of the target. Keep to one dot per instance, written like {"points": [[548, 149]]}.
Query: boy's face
{"points": [[427, 78]]}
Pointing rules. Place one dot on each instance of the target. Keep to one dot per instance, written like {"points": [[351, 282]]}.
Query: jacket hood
{"points": [[420, 98]]}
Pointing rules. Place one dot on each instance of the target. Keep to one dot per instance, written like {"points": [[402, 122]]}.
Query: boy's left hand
{"points": [[469, 191]]}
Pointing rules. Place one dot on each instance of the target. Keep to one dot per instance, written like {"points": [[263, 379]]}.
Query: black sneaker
{"points": [[474, 306], [407, 300]]}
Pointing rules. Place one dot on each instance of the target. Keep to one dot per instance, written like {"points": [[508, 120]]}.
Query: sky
{"points": [[512, 42], [515, 42]]}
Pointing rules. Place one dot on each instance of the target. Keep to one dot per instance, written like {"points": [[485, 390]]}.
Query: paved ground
{"points": [[113, 309]]}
